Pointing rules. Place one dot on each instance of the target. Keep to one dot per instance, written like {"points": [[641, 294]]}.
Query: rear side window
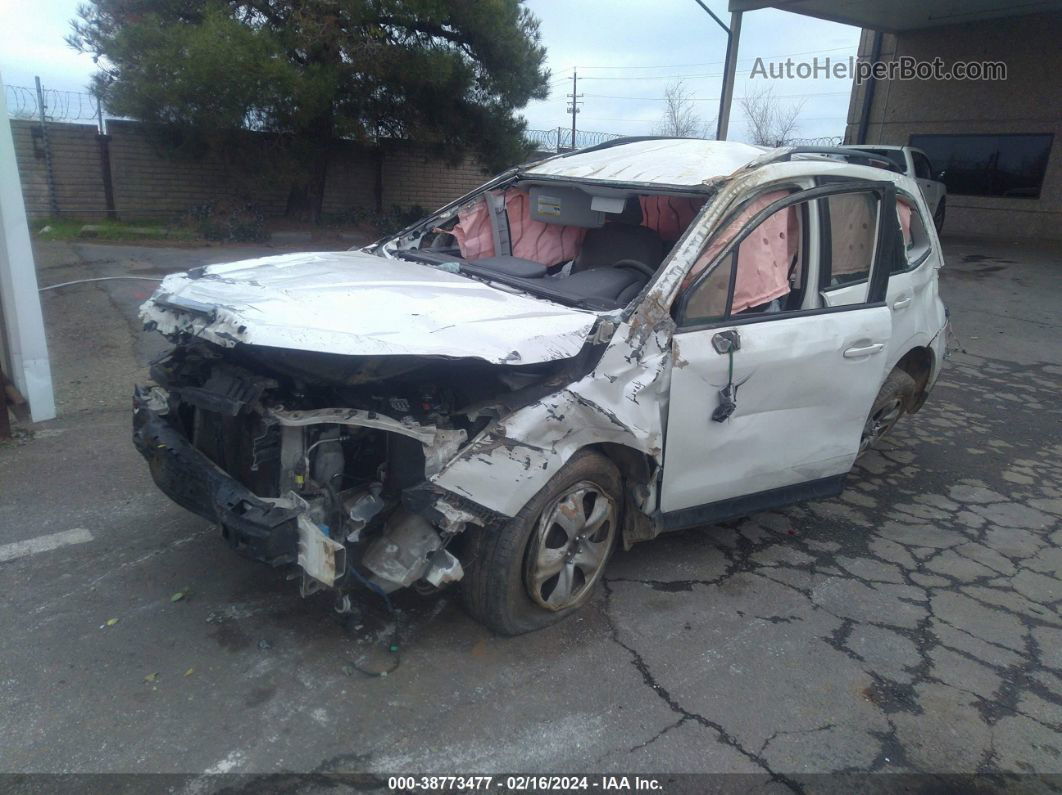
{"points": [[852, 222], [915, 238]]}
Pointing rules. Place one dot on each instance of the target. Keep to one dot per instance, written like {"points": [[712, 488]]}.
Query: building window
{"points": [[989, 165]]}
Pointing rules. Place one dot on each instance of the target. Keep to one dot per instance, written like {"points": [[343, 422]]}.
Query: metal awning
{"points": [[899, 15]]}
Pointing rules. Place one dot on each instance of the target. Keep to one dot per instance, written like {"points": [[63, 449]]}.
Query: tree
{"points": [[771, 123], [679, 119], [447, 73]]}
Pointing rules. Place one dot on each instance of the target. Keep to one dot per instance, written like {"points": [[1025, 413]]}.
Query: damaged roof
{"points": [[685, 162]]}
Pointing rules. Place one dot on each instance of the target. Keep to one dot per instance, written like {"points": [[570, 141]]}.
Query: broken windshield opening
{"points": [[587, 246]]}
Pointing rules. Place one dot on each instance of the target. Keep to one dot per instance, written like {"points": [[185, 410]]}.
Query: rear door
{"points": [[768, 400]]}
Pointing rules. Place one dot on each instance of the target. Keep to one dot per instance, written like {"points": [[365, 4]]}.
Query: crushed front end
{"points": [[322, 461]]}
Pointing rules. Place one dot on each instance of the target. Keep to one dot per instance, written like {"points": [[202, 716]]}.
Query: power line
{"points": [[716, 63], [634, 120], [660, 77], [716, 99]]}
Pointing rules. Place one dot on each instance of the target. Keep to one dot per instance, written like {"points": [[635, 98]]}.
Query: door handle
{"points": [[863, 350], [901, 302]]}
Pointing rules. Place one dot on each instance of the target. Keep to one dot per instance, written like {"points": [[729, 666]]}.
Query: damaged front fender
{"points": [[622, 401]]}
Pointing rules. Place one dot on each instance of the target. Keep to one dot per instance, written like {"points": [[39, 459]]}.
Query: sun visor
{"points": [[564, 206]]}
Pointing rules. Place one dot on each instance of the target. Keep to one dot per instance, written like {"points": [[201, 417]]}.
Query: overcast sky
{"points": [[626, 52]]}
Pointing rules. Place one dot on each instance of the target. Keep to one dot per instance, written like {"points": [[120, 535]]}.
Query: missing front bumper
{"points": [[254, 527], [281, 531]]}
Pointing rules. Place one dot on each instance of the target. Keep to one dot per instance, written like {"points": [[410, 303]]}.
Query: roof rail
{"points": [[786, 153]]}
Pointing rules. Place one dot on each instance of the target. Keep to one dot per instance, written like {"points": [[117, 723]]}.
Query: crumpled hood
{"points": [[353, 303]]}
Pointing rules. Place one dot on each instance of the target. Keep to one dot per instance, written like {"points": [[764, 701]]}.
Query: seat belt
{"points": [[499, 224]]}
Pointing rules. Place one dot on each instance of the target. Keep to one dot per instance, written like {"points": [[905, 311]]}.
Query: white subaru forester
{"points": [[648, 335]]}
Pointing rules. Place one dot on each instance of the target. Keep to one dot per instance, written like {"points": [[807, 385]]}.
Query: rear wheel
{"points": [[546, 562], [894, 396]]}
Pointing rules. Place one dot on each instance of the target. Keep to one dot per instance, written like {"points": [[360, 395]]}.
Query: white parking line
{"points": [[31, 546]]}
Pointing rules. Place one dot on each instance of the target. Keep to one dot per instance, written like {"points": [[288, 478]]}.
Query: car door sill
{"points": [[736, 507]]}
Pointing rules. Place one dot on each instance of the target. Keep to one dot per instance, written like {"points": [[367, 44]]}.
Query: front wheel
{"points": [[545, 563], [893, 398]]}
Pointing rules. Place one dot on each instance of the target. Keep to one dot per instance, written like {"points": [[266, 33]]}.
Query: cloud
{"points": [[626, 53]]}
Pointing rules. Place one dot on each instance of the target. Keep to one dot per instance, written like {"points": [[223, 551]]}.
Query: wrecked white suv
{"points": [[594, 349]]}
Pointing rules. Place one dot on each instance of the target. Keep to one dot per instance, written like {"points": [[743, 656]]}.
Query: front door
{"points": [[779, 352]]}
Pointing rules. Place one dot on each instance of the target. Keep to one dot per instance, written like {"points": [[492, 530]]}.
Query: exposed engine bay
{"points": [[321, 460]]}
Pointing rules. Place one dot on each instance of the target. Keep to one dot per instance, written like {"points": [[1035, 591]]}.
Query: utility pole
{"points": [[726, 96], [575, 98]]}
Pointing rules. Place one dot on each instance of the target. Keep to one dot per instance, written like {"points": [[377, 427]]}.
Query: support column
{"points": [[24, 345]]}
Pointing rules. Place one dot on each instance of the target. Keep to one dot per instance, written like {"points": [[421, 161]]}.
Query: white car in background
{"points": [[915, 163], [587, 351]]}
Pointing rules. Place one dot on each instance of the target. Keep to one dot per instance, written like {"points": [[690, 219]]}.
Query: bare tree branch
{"points": [[679, 119], [771, 123]]}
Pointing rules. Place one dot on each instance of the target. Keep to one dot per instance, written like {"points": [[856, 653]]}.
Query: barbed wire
{"points": [[822, 140], [74, 106], [561, 138], [58, 105]]}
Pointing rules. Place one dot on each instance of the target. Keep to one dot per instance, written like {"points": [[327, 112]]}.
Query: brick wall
{"points": [[152, 182], [411, 177], [75, 161]]}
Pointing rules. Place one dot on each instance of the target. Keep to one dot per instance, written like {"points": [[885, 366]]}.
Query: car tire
{"points": [[938, 216], [895, 395], [506, 586]]}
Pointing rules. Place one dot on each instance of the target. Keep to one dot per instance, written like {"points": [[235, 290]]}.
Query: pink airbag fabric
{"points": [[548, 244], [669, 216], [551, 244], [903, 209], [764, 256]]}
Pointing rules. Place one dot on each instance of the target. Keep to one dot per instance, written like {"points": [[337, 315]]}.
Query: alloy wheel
{"points": [[880, 423], [570, 545]]}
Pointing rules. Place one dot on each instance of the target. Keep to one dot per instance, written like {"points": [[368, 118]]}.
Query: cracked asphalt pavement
{"points": [[911, 625]]}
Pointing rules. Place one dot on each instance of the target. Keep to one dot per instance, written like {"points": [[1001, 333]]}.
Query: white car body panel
{"points": [[801, 405], [620, 401], [358, 304], [913, 298]]}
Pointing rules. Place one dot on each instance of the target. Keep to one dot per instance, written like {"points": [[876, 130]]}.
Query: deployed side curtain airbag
{"points": [[764, 257], [473, 232], [853, 233], [669, 216], [903, 209], [548, 244]]}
